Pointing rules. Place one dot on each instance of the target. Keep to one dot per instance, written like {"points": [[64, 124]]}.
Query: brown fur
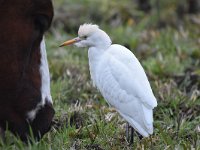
{"points": [[22, 25]]}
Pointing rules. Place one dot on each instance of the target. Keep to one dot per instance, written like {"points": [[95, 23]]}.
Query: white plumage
{"points": [[119, 76]]}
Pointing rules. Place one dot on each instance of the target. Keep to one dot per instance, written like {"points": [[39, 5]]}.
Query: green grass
{"points": [[83, 119]]}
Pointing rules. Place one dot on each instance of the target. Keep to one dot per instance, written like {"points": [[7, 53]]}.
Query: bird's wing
{"points": [[114, 80], [129, 74]]}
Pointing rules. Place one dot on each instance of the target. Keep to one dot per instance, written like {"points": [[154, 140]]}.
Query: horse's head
{"points": [[25, 98]]}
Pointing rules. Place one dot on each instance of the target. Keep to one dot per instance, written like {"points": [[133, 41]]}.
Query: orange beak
{"points": [[69, 42]]}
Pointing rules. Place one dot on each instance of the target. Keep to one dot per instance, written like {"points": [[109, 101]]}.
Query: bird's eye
{"points": [[84, 37]]}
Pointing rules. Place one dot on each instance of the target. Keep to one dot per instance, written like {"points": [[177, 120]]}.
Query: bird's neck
{"points": [[94, 55]]}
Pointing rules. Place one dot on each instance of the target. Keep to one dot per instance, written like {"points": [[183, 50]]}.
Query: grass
{"points": [[83, 120]]}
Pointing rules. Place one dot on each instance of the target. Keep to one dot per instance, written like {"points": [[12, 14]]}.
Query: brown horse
{"points": [[25, 99]]}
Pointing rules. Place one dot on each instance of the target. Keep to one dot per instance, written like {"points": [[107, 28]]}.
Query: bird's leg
{"points": [[132, 135], [129, 134], [127, 131]]}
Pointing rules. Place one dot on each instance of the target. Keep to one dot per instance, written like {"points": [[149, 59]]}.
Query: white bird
{"points": [[119, 76]]}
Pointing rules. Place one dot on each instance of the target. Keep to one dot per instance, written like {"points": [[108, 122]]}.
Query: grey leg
{"points": [[127, 131], [129, 134], [132, 136]]}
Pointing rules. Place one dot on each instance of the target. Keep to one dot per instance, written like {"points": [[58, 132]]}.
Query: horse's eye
{"points": [[42, 23]]}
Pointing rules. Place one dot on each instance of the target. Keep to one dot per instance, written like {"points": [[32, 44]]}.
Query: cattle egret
{"points": [[119, 76]]}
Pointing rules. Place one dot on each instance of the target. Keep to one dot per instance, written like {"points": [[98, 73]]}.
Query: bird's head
{"points": [[90, 35]]}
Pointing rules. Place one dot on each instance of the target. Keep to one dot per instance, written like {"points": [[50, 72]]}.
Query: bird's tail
{"points": [[136, 126], [148, 119]]}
